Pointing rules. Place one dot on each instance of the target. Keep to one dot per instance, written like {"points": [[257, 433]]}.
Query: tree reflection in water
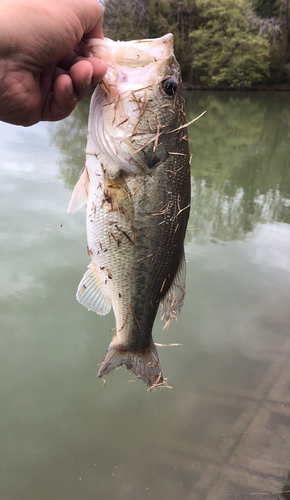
{"points": [[240, 165]]}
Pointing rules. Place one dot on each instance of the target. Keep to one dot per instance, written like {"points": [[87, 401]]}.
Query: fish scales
{"points": [[136, 184]]}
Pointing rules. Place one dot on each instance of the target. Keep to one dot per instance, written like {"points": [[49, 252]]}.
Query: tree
{"points": [[287, 17], [227, 48], [218, 43], [266, 9], [133, 19], [126, 19], [275, 23]]}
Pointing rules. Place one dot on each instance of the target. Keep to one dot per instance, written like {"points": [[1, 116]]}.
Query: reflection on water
{"points": [[240, 162], [222, 432]]}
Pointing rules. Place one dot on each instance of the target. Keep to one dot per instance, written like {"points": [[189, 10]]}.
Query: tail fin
{"points": [[146, 366]]}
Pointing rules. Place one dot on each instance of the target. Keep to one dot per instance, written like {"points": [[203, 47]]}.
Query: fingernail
{"points": [[88, 81], [70, 88]]}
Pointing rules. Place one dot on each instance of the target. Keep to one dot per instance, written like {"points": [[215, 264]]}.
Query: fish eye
{"points": [[169, 87]]}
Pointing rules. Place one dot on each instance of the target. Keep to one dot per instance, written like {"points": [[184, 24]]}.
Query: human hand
{"points": [[42, 73]]}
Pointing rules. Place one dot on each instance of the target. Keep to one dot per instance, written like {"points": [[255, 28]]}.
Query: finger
{"points": [[99, 66], [68, 61], [61, 101], [71, 58], [57, 73], [85, 74], [81, 74], [99, 69]]}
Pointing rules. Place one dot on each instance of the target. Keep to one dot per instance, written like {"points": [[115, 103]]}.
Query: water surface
{"points": [[223, 430]]}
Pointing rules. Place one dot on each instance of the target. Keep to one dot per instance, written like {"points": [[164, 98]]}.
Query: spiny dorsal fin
{"points": [[80, 193], [90, 293], [172, 303]]}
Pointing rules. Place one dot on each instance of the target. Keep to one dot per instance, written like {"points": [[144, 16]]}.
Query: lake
{"points": [[223, 431]]}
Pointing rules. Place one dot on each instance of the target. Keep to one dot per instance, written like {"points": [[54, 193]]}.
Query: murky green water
{"points": [[223, 431]]}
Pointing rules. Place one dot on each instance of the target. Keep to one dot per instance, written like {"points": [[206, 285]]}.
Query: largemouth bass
{"points": [[136, 183]]}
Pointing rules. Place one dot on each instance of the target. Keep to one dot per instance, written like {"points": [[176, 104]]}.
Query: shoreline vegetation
{"points": [[258, 88], [219, 44]]}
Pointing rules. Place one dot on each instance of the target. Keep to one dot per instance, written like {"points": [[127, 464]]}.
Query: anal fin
{"points": [[90, 293], [172, 303]]}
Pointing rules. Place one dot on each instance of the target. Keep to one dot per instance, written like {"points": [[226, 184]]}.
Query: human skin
{"points": [[42, 73]]}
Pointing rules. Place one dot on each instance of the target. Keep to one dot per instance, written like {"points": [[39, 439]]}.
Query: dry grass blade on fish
{"points": [[187, 124]]}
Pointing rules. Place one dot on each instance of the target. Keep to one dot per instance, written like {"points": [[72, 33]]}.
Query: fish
{"points": [[136, 184]]}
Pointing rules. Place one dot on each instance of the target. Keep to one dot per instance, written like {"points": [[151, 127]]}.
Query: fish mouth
{"points": [[132, 54], [124, 58]]}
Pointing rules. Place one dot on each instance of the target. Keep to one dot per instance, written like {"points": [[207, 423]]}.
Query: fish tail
{"points": [[146, 365]]}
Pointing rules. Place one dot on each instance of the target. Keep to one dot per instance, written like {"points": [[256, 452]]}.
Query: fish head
{"points": [[137, 105]]}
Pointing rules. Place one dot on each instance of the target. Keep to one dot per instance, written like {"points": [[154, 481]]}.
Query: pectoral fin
{"points": [[80, 193], [173, 301], [90, 293]]}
